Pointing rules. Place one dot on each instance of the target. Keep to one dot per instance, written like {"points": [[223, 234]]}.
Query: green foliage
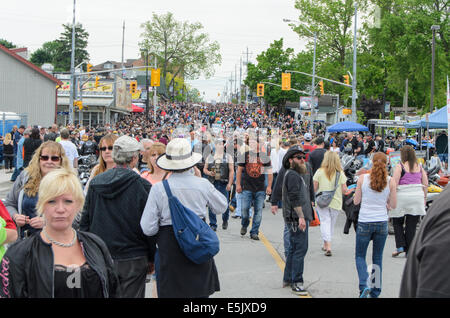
{"points": [[361, 119], [181, 47], [7, 44], [58, 52]]}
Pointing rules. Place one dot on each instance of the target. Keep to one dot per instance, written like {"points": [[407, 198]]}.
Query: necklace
{"points": [[59, 243]]}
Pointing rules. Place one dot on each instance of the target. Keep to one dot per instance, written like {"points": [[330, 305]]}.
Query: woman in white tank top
{"points": [[377, 193]]}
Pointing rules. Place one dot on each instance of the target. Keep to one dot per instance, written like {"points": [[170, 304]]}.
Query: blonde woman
{"points": [[325, 180], [106, 161], [60, 262], [8, 153], [22, 198], [155, 174]]}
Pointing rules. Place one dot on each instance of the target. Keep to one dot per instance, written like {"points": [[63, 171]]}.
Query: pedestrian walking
{"points": [[8, 153], [376, 192], [113, 209], [21, 155], [425, 274], [219, 168], [29, 146], [316, 156], [59, 262], [325, 180], [297, 213], [250, 181], [178, 276], [69, 148], [155, 174], [22, 198], [412, 188]]}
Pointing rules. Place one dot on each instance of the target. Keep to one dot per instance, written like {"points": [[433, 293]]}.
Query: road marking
{"points": [[281, 264]]}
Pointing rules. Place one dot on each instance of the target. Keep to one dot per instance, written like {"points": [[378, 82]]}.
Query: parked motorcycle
{"points": [[85, 165]]}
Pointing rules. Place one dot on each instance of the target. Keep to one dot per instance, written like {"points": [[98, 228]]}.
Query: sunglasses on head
{"points": [[52, 158], [300, 157], [104, 148]]}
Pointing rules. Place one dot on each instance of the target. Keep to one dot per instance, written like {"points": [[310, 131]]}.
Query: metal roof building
{"points": [[26, 89]]}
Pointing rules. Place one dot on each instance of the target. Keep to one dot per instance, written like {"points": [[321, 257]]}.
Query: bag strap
{"points": [[166, 186], [338, 174]]}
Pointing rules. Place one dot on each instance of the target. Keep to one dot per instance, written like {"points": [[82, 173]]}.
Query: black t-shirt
{"points": [[370, 146], [253, 174], [316, 158], [360, 145]]}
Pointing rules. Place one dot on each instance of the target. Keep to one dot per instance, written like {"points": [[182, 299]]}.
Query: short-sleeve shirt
{"points": [[328, 185], [253, 174], [70, 149]]}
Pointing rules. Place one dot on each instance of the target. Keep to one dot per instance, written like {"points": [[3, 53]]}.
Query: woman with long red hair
{"points": [[377, 193]]}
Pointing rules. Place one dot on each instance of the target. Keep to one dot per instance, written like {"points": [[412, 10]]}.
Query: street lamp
{"points": [[313, 108], [433, 28]]}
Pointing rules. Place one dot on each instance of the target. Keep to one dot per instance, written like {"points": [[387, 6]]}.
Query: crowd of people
{"points": [[219, 160]]}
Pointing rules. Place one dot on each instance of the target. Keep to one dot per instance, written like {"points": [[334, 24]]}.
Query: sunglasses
{"points": [[104, 148], [300, 157], [52, 158]]}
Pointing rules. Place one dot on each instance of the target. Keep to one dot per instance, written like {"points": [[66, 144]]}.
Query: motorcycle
{"points": [[85, 165]]}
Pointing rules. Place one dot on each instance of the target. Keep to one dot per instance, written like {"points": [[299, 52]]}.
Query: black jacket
{"points": [[294, 194], [30, 145], [27, 269], [278, 188], [113, 210]]}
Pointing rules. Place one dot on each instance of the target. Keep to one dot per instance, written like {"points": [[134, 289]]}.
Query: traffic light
{"points": [[156, 77], [89, 68], [347, 79], [133, 87], [260, 90], [321, 88], [286, 81], [79, 104], [218, 94], [96, 82]]}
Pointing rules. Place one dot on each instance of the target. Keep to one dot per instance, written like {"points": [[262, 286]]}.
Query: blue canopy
{"points": [[437, 119], [346, 126]]}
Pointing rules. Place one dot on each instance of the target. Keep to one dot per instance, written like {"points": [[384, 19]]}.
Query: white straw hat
{"points": [[178, 156]]}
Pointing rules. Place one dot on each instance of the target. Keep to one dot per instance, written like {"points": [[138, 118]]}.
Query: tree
{"points": [[180, 47], [63, 52], [399, 48], [270, 65], [45, 54], [7, 44]]}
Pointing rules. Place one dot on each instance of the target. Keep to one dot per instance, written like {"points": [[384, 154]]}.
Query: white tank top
{"points": [[373, 203]]}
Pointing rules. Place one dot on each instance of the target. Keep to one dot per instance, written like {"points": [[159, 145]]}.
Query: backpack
{"points": [[196, 239]]}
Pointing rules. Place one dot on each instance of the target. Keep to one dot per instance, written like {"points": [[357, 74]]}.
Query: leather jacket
{"points": [[27, 269]]}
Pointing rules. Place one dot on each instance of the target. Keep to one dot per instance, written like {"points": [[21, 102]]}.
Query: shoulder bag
{"points": [[324, 198], [196, 239]]}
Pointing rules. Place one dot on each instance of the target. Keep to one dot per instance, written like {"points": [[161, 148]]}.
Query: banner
{"points": [[123, 96]]}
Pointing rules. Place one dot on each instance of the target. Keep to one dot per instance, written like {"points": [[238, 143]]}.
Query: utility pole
{"points": [[231, 87], [72, 69], [147, 101], [354, 117], [246, 88], [433, 28], [240, 79], [235, 80], [405, 101], [154, 96], [123, 46]]}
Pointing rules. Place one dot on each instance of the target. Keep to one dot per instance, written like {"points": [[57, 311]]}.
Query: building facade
{"points": [[27, 90]]}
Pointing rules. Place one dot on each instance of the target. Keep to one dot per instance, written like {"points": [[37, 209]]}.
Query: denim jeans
{"points": [[296, 252], [366, 232], [222, 188], [443, 157], [258, 201]]}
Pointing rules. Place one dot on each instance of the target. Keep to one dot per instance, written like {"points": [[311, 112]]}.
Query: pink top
{"points": [[149, 177], [411, 178]]}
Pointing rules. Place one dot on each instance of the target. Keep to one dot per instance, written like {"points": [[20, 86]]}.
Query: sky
{"points": [[235, 24]]}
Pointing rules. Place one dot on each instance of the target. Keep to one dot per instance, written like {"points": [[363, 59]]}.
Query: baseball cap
{"points": [[308, 137], [127, 144]]}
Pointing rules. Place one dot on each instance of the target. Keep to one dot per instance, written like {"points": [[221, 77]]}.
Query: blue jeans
{"points": [[222, 188], [258, 202], [366, 232], [443, 157], [296, 252]]}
